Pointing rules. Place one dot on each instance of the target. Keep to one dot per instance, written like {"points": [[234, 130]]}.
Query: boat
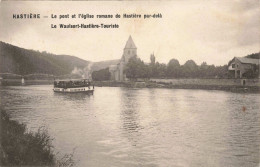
{"points": [[74, 86]]}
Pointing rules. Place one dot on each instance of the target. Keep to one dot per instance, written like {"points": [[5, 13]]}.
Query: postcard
{"points": [[130, 83]]}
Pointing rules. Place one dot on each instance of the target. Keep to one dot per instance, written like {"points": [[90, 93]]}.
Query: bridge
{"points": [[18, 78]]}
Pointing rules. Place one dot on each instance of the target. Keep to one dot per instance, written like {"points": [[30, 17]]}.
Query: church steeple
{"points": [[130, 43], [130, 50]]}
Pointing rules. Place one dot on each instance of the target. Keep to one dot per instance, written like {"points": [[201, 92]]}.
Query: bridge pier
{"points": [[22, 81]]}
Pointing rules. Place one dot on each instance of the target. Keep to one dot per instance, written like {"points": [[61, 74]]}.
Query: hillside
{"points": [[103, 64], [21, 61], [254, 56]]}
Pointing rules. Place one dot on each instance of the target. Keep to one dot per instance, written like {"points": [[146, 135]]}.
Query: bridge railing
{"points": [[34, 76]]}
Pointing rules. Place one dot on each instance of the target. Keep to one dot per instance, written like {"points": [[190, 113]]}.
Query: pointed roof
{"points": [[130, 43]]}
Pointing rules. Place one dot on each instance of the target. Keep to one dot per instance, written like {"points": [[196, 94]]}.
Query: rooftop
{"points": [[248, 60], [130, 43]]}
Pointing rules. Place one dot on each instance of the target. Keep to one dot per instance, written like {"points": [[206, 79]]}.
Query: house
{"points": [[239, 66], [117, 71]]}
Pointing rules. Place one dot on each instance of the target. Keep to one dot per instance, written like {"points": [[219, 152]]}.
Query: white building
{"points": [[240, 65]]}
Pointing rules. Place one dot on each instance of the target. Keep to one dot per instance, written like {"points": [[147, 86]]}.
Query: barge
{"points": [[74, 86]]}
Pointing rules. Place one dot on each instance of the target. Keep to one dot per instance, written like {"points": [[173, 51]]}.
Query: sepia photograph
{"points": [[115, 83]]}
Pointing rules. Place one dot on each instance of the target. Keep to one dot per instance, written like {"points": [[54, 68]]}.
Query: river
{"points": [[143, 127]]}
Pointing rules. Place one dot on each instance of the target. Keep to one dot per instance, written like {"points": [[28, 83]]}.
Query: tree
{"points": [[173, 68], [190, 69], [203, 69], [252, 73], [101, 75], [135, 68], [152, 58], [162, 68]]}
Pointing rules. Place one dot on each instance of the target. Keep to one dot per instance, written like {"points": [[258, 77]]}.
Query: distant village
{"points": [[24, 64], [130, 67]]}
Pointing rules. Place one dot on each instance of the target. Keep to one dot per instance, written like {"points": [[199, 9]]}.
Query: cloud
{"points": [[211, 31], [244, 5]]}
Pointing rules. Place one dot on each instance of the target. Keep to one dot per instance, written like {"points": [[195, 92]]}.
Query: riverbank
{"points": [[22, 148], [233, 85]]}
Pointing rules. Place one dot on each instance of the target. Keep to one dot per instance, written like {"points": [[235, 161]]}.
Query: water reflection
{"points": [[72, 96], [130, 116], [243, 137], [144, 127]]}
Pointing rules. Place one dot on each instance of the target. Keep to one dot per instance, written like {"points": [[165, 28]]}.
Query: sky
{"points": [[204, 31]]}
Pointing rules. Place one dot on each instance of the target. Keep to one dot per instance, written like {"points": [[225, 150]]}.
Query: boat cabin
{"points": [[72, 83], [73, 86]]}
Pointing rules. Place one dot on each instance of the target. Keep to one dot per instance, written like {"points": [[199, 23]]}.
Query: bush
{"points": [[19, 147], [101, 75]]}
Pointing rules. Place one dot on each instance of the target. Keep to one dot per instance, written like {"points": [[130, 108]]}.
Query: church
{"points": [[117, 71]]}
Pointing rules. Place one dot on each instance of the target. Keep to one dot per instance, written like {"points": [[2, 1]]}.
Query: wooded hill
{"points": [[254, 56], [21, 61], [104, 64]]}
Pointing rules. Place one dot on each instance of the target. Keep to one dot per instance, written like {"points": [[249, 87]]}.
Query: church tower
{"points": [[130, 50]]}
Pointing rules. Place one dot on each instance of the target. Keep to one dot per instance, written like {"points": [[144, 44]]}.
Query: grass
{"points": [[21, 148]]}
